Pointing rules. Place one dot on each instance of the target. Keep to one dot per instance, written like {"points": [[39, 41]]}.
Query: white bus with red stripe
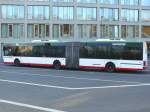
{"points": [[108, 55], [35, 54]]}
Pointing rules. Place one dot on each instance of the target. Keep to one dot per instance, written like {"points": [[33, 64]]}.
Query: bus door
{"points": [[72, 55]]}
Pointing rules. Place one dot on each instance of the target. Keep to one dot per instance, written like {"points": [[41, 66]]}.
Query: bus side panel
{"points": [[130, 65], [97, 63], [38, 61], [9, 59], [91, 63], [42, 61], [119, 64]]}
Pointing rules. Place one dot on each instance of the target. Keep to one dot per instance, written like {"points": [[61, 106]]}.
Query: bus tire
{"points": [[17, 62], [110, 67], [57, 65]]}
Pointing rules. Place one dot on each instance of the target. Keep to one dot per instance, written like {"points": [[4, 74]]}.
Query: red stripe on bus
{"points": [[33, 64], [92, 67], [123, 69], [37, 65], [40, 65], [8, 62], [82, 67], [129, 69]]}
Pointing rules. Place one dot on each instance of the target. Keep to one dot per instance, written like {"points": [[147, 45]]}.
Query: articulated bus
{"points": [[107, 55]]}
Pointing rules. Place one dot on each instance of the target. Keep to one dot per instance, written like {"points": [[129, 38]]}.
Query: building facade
{"points": [[74, 20]]}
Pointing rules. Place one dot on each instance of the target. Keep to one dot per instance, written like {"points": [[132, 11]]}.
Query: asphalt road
{"points": [[28, 89]]}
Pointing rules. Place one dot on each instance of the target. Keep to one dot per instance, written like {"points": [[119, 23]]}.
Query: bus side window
{"points": [[117, 52], [83, 52], [133, 52], [102, 52], [5, 50]]}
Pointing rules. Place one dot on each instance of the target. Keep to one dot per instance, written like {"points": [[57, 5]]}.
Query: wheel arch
{"points": [[110, 63], [110, 66], [17, 61]]}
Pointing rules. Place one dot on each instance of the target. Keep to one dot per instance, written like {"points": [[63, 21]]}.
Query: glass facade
{"points": [[107, 14], [146, 15], [145, 31], [145, 2], [12, 30], [74, 19], [38, 0], [38, 12], [129, 31], [37, 30], [109, 1], [62, 0], [86, 1], [86, 13], [129, 15], [109, 31], [129, 2], [63, 30], [63, 13], [12, 12], [86, 31]]}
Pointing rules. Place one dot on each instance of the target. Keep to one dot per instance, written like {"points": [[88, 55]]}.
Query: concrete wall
{"points": [[74, 22]]}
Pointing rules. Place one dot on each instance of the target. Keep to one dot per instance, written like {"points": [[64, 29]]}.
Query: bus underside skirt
{"points": [[119, 69], [34, 64]]}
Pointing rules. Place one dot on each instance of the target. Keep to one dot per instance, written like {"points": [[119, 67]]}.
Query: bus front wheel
{"points": [[57, 65], [17, 62], [110, 67]]}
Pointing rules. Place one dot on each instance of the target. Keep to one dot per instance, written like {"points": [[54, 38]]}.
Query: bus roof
{"points": [[114, 40], [84, 41]]}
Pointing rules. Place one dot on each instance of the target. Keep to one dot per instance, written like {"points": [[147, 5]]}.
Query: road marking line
{"points": [[81, 88], [36, 84], [29, 106], [71, 77]]}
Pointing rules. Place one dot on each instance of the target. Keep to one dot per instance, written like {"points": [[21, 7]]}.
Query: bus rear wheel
{"points": [[110, 67], [57, 65], [17, 62]]}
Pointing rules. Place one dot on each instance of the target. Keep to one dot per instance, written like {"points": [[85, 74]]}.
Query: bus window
{"points": [[133, 52], [117, 52], [7, 51], [102, 52]]}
